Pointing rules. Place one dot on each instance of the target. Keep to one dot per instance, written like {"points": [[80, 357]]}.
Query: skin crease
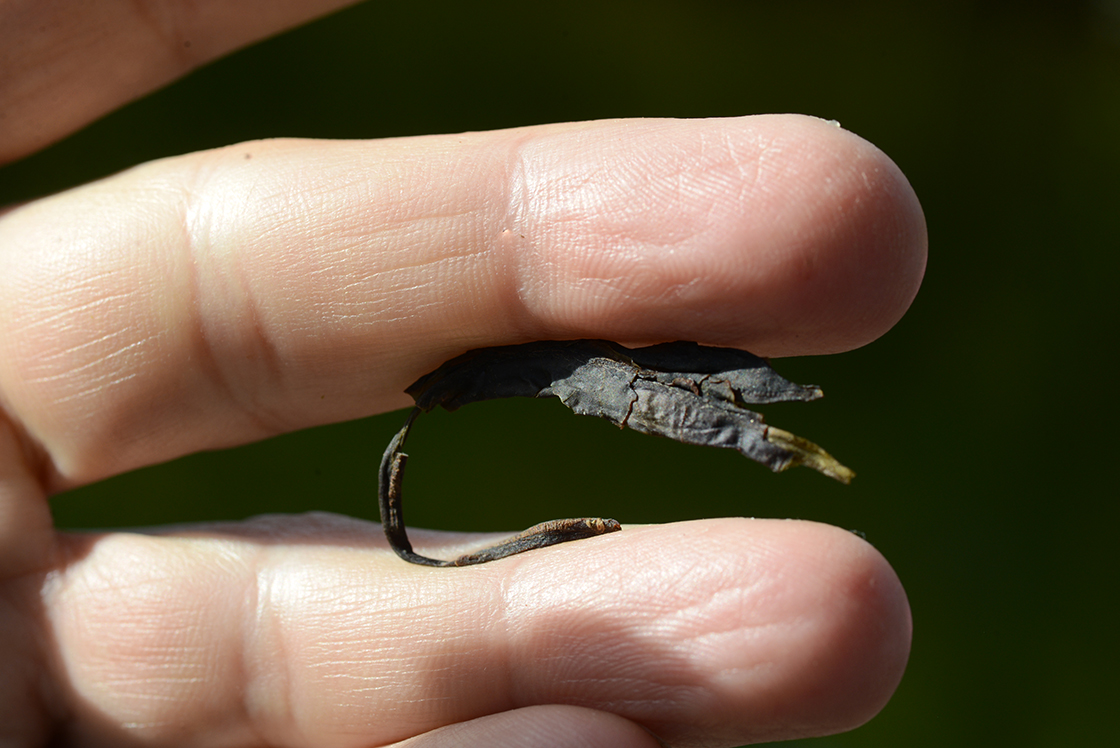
{"points": [[222, 297]]}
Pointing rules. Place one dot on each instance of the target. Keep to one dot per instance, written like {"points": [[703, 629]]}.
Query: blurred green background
{"points": [[982, 426]]}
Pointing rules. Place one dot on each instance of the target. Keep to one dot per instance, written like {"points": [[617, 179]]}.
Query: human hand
{"points": [[215, 298]]}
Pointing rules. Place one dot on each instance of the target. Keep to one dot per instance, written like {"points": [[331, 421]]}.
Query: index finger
{"points": [[221, 297]]}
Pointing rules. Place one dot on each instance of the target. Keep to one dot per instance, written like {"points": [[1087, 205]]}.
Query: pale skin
{"points": [[221, 297]]}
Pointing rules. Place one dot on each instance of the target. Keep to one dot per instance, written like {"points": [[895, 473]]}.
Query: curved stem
{"points": [[390, 476]]}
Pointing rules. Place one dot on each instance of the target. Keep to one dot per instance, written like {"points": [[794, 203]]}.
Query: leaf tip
{"points": [[804, 452]]}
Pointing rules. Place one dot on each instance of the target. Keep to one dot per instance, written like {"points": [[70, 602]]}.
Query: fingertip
{"points": [[764, 629], [826, 639], [783, 234], [854, 645], [849, 243]]}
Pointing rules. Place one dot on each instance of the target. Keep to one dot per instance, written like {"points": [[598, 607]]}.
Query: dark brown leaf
{"points": [[685, 391]]}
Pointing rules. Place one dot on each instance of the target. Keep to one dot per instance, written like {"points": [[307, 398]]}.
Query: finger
{"points": [[66, 63], [540, 727], [222, 297], [26, 527], [719, 632]]}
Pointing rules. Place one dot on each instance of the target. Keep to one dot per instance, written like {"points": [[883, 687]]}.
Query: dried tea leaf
{"points": [[692, 393]]}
